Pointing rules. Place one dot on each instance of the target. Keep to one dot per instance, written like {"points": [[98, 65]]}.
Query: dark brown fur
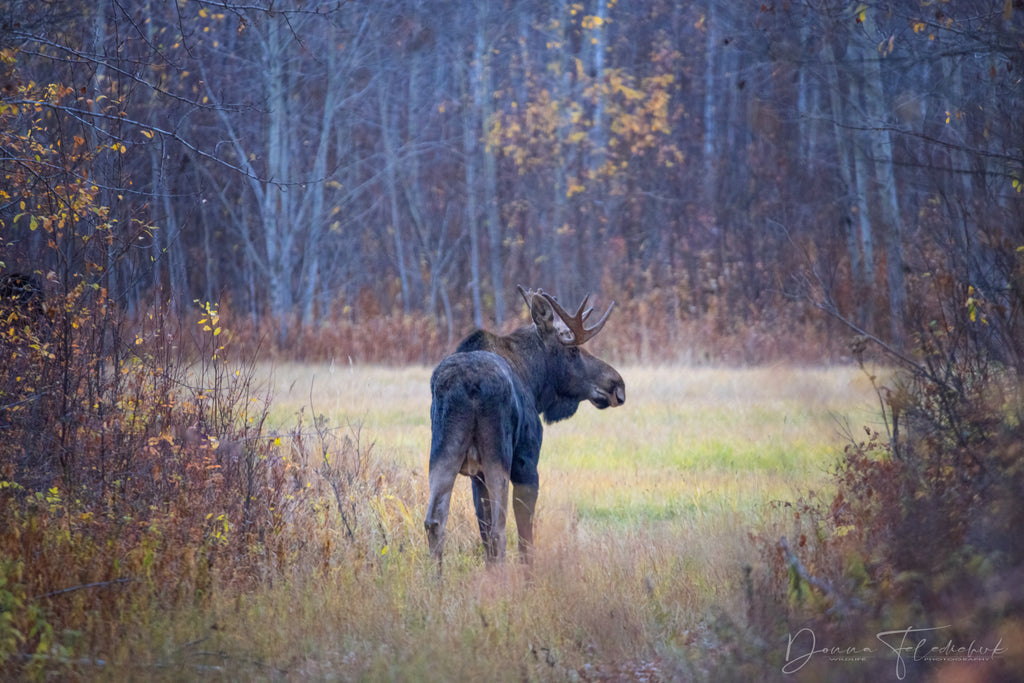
{"points": [[487, 399]]}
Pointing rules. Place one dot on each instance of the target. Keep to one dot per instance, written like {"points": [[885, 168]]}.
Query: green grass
{"points": [[643, 532]]}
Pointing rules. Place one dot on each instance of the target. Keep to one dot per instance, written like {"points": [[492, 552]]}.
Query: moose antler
{"points": [[580, 334]]}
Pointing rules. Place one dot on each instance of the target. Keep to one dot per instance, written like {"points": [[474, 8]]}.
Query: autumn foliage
{"points": [[139, 474], [136, 468]]}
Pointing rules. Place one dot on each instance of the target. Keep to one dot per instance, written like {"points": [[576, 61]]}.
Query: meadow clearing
{"points": [[643, 531], [689, 443], [647, 530]]}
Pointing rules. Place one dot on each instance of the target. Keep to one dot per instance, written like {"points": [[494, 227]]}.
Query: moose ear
{"points": [[540, 310], [543, 314]]}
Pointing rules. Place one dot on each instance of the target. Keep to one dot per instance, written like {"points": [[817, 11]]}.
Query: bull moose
{"points": [[487, 399]]}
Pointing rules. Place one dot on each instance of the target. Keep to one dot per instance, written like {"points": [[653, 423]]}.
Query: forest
{"points": [[235, 236], [730, 173]]}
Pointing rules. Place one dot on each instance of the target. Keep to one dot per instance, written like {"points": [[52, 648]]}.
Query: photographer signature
{"points": [[908, 644]]}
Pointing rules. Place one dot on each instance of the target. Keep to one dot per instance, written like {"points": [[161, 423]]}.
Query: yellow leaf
{"points": [[148, 134]]}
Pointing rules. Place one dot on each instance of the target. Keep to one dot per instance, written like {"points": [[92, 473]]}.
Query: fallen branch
{"points": [[98, 584], [839, 603]]}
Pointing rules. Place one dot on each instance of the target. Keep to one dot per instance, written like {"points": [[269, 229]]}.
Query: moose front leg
{"points": [[524, 500]]}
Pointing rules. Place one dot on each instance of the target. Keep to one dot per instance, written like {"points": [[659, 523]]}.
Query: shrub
{"points": [[140, 473], [922, 529]]}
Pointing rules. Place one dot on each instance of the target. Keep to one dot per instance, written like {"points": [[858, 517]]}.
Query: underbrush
{"points": [[913, 567], [138, 476]]}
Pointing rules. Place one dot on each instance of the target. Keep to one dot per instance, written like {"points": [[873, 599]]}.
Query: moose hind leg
{"points": [[524, 501], [496, 479], [482, 505], [442, 480]]}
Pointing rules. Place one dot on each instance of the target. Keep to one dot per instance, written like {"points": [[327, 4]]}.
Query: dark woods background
{"points": [[726, 172]]}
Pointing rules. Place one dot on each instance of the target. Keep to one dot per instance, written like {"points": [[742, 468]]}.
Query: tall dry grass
{"points": [[641, 545]]}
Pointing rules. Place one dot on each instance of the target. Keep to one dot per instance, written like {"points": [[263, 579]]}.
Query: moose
{"points": [[486, 402]]}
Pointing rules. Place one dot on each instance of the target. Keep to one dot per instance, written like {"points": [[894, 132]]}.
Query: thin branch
{"points": [[86, 117], [832, 309], [888, 128], [828, 305], [98, 584]]}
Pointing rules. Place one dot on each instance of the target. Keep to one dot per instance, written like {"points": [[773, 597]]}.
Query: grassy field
{"points": [[689, 444], [643, 532]]}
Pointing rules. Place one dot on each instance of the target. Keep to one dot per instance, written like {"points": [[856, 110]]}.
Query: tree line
{"points": [[708, 163]]}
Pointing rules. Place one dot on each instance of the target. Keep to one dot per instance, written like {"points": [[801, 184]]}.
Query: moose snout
{"points": [[609, 396], [617, 395]]}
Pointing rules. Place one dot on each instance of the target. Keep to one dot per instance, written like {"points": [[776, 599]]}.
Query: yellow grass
{"points": [[643, 525], [688, 440]]}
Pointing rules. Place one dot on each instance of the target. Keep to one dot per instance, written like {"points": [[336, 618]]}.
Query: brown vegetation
{"points": [[140, 476], [922, 531]]}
